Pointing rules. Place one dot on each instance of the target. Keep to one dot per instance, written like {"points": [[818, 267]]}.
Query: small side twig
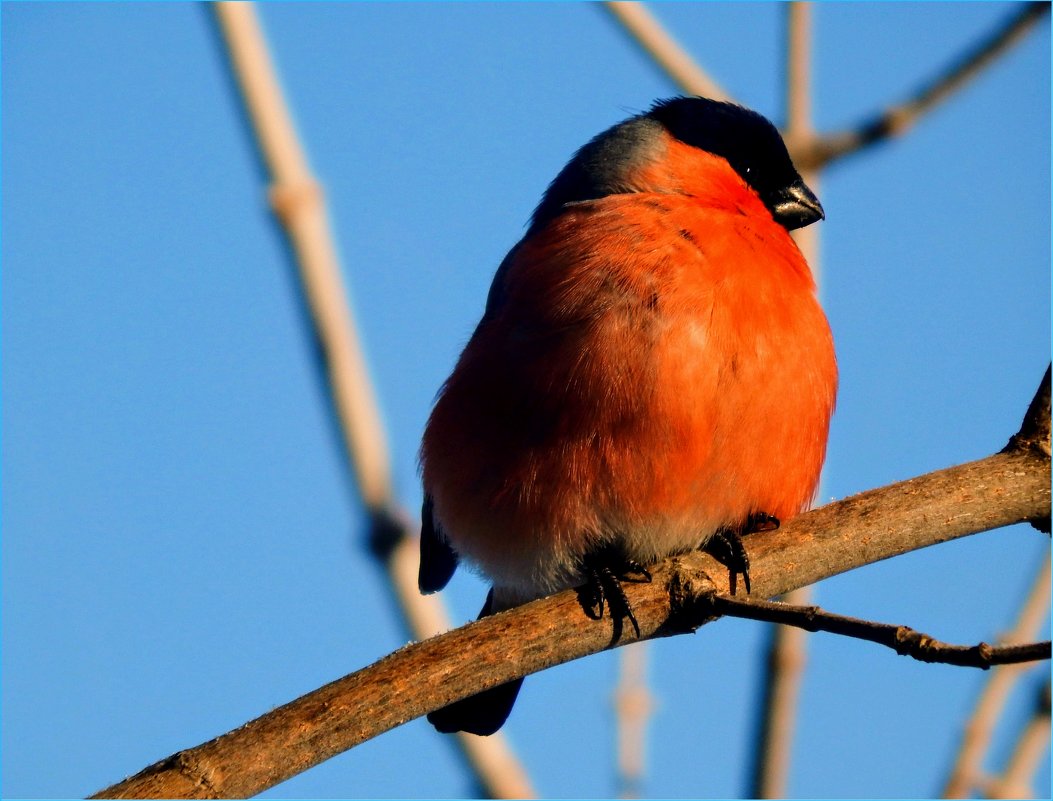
{"points": [[899, 118], [902, 639], [1035, 431]]}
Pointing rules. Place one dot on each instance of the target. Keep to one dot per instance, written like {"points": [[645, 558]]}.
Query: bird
{"points": [[652, 374]]}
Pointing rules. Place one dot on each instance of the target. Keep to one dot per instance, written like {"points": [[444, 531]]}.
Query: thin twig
{"points": [[296, 199], [1003, 489], [1031, 748], [904, 640], [648, 32], [899, 118], [977, 732]]}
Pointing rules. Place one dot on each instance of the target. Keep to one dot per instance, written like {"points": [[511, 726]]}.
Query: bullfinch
{"points": [[652, 374]]}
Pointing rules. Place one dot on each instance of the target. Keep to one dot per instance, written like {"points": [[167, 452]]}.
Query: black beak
{"points": [[795, 206]]}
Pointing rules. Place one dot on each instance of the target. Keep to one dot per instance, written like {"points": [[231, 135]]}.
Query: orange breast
{"points": [[658, 368]]}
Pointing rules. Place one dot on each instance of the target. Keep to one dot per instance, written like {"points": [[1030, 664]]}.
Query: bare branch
{"points": [[658, 43], [1000, 490], [898, 119], [904, 640]]}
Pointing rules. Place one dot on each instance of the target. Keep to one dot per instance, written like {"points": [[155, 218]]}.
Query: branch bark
{"points": [[1009, 487]]}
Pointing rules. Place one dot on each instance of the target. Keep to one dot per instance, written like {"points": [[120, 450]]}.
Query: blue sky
{"points": [[182, 549]]}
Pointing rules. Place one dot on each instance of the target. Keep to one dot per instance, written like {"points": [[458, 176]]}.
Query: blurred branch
{"points": [[1003, 489], [633, 706], [904, 640], [297, 201], [977, 733], [659, 44], [798, 70], [899, 118], [1031, 748], [784, 663], [787, 650]]}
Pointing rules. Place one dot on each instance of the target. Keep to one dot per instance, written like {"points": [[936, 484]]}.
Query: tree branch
{"points": [[898, 119], [904, 640], [997, 491], [1009, 487]]}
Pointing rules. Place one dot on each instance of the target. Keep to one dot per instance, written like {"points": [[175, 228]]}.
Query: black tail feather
{"points": [[482, 713]]}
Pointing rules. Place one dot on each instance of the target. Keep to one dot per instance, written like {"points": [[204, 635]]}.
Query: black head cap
{"points": [[751, 145], [745, 139]]}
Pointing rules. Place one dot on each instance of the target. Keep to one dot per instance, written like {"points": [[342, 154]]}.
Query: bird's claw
{"points": [[604, 571], [726, 547]]}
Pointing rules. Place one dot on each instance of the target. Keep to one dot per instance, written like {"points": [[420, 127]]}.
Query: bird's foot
{"points": [[605, 570], [726, 547]]}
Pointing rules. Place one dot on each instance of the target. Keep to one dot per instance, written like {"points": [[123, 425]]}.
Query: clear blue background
{"points": [[182, 548]]}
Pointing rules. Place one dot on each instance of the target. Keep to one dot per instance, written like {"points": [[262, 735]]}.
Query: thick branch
{"points": [[902, 639], [898, 119], [997, 491], [1010, 487]]}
